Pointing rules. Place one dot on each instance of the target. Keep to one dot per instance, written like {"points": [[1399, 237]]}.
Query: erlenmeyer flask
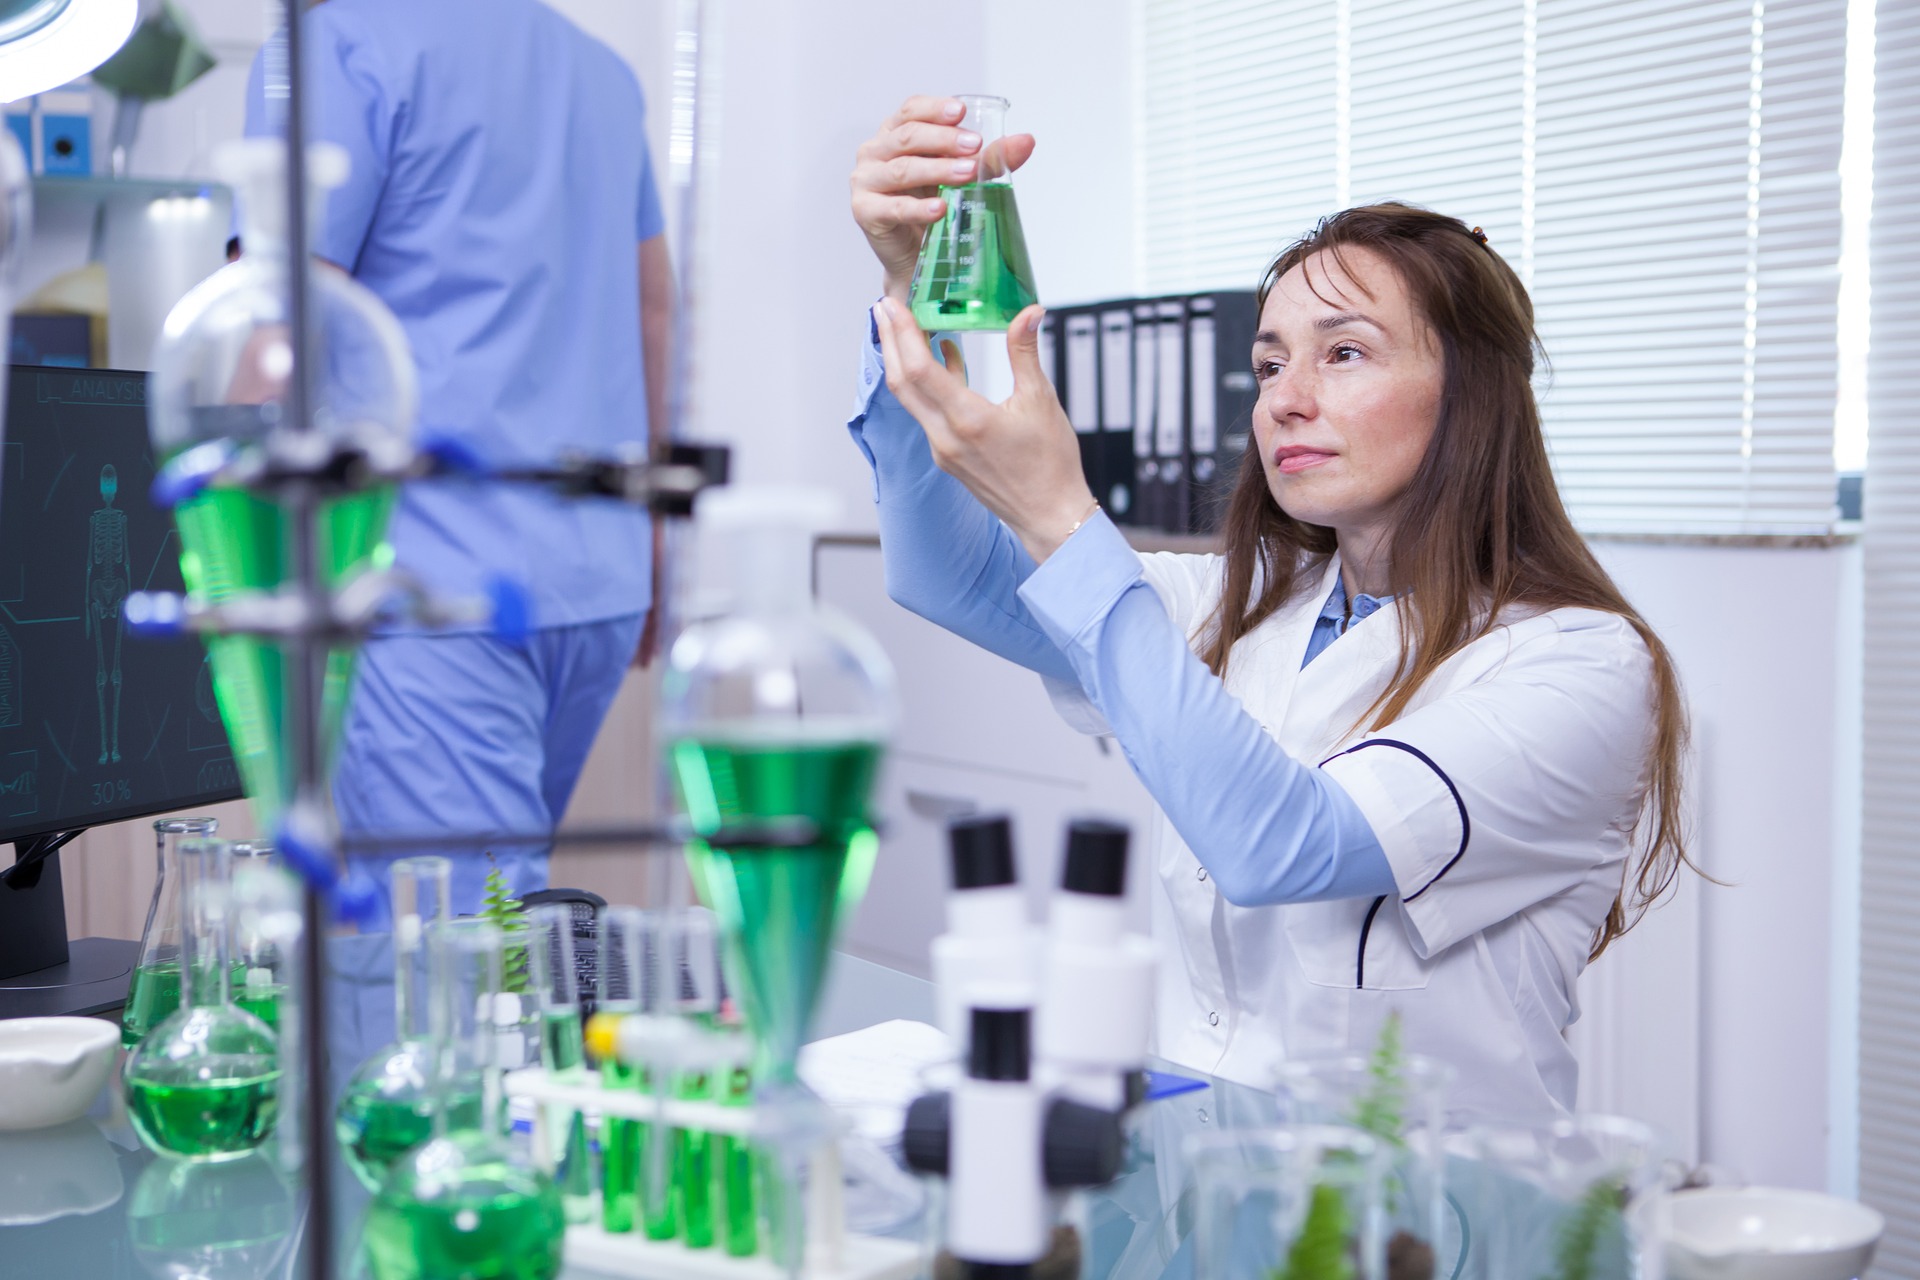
{"points": [[973, 271], [154, 990], [220, 376], [467, 1202], [204, 1083], [388, 1107], [777, 709]]}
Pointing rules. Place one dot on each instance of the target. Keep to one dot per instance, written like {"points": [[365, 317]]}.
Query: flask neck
{"points": [[772, 571], [206, 968]]}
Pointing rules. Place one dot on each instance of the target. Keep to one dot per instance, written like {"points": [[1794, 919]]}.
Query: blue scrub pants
{"points": [[461, 732]]}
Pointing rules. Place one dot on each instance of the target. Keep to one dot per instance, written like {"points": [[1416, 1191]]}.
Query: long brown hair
{"points": [[1480, 527]]}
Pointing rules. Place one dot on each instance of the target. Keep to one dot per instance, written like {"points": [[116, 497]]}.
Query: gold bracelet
{"points": [[1083, 519]]}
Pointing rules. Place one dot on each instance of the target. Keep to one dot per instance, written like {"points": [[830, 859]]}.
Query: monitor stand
{"points": [[41, 974]]}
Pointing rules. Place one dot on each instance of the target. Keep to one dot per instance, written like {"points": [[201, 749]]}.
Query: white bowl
{"points": [[1768, 1233], [51, 1069]]}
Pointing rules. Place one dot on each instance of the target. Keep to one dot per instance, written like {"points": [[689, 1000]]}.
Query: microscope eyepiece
{"points": [[1096, 858], [982, 852]]}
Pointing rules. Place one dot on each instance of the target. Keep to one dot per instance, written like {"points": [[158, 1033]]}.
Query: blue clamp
{"points": [[452, 457], [512, 611], [355, 896], [155, 613], [189, 472]]}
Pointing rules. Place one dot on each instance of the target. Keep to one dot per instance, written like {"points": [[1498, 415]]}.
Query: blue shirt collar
{"points": [[1364, 605]]}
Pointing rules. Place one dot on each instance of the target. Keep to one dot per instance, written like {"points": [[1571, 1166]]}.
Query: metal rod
{"points": [[304, 668]]}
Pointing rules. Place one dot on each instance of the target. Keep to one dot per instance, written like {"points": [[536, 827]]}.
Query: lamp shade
{"points": [[46, 43]]}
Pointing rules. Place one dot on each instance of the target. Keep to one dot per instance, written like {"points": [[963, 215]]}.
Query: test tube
{"points": [[734, 1159], [562, 1053], [622, 972], [697, 987]]}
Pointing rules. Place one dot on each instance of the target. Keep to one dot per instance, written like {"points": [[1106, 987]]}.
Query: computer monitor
{"points": [[95, 726]]}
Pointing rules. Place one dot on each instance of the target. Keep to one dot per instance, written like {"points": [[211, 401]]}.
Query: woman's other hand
{"points": [[1018, 457], [899, 172]]}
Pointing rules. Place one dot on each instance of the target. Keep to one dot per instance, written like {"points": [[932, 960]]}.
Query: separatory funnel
{"points": [[153, 991], [204, 1083], [775, 714], [220, 382], [467, 1202], [974, 272]]}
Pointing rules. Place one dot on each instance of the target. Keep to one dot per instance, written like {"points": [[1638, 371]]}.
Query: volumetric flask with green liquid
{"points": [[204, 1083], [974, 272]]}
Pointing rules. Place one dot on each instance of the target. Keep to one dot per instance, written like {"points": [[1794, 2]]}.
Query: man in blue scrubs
{"points": [[502, 204]]}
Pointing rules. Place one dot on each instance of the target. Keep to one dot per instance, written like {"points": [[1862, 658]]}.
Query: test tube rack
{"points": [[833, 1252]]}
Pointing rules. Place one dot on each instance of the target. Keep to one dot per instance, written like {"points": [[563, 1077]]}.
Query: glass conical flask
{"points": [[467, 1202], [776, 709], [974, 272], [153, 992], [204, 1082], [387, 1109], [221, 374]]}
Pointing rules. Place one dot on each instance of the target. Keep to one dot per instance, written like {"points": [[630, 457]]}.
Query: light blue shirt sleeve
{"points": [[653, 221], [1268, 828]]}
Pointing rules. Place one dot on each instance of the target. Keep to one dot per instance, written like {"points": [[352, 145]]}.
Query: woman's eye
{"points": [[1345, 353], [1265, 369]]}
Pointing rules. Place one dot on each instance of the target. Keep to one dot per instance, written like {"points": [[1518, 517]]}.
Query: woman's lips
{"points": [[1291, 461]]}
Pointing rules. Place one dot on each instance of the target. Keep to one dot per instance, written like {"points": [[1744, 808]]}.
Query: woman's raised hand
{"points": [[1018, 457], [899, 172]]}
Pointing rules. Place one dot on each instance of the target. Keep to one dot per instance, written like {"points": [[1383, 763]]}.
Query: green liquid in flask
{"points": [[375, 1131], [231, 542], [973, 271], [483, 1226], [263, 1002], [205, 1117], [153, 992], [779, 909]]}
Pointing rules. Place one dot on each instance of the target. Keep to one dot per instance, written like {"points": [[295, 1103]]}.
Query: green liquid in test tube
{"points": [[694, 983], [735, 1162], [562, 1050], [693, 1171], [973, 271]]}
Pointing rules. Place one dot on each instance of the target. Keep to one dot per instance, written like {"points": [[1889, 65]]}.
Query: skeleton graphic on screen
{"points": [[107, 586]]}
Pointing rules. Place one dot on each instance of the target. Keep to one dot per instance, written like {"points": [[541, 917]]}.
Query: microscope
{"points": [[1055, 1044]]}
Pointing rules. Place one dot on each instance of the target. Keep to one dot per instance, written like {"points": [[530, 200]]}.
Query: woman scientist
{"points": [[1412, 750]]}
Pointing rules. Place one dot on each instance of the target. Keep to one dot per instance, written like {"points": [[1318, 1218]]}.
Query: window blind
{"points": [[1663, 173], [1890, 848]]}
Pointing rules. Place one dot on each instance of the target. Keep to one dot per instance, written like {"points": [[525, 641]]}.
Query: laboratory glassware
{"points": [[204, 1082], [153, 991], [973, 271], [221, 381], [776, 712], [387, 1109], [260, 980], [1583, 1195], [190, 1220], [1401, 1099], [1298, 1202], [694, 954], [562, 1052], [467, 1202]]}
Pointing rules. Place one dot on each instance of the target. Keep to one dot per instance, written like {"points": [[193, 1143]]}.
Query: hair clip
{"points": [[1479, 235]]}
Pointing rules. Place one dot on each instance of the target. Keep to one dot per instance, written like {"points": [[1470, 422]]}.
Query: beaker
{"points": [[973, 271], [221, 377], [387, 1109], [467, 1202], [204, 1082], [1298, 1202], [1582, 1195], [1401, 1099], [153, 991], [562, 1134]]}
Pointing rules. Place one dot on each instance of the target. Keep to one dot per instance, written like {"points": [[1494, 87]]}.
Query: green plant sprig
{"points": [[508, 914], [1598, 1212]]}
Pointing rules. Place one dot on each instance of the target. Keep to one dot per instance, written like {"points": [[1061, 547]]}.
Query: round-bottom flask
{"points": [[204, 1083], [388, 1106], [466, 1203]]}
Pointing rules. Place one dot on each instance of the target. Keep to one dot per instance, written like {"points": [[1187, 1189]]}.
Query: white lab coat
{"points": [[1504, 797]]}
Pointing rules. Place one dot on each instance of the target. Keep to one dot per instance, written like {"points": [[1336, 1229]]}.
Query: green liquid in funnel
{"points": [[974, 272], [780, 909], [232, 542]]}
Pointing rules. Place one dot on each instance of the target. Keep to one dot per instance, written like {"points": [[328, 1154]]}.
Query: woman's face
{"points": [[1350, 380]]}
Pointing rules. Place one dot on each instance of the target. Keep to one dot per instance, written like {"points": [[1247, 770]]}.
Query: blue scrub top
{"points": [[499, 192]]}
